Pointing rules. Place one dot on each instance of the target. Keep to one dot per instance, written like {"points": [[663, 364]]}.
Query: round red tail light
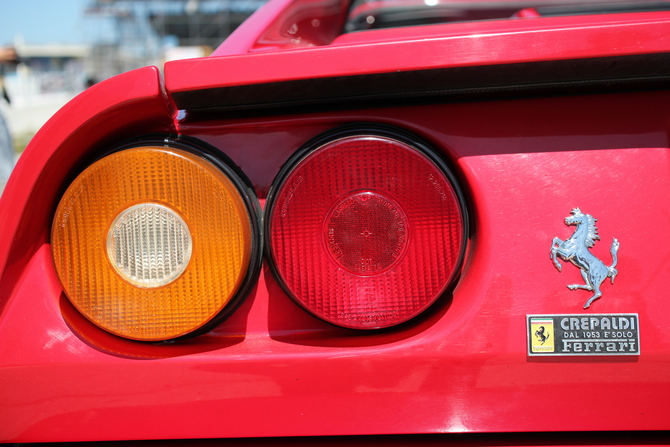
{"points": [[365, 230]]}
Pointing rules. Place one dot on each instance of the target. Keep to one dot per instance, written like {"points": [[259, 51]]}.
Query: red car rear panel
{"points": [[534, 119]]}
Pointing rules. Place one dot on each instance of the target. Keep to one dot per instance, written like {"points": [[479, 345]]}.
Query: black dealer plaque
{"points": [[594, 334]]}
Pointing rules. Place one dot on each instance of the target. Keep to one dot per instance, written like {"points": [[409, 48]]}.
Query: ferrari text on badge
{"points": [[595, 335]]}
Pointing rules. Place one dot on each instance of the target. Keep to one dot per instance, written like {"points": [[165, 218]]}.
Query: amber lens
{"points": [[152, 243]]}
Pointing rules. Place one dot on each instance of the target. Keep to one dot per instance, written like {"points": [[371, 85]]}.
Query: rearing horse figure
{"points": [[576, 251]]}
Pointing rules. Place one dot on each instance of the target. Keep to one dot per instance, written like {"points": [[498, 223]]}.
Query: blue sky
{"points": [[43, 21]]}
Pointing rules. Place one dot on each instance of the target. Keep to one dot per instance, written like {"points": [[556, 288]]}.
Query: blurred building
{"points": [[40, 81], [49, 68], [149, 32], [121, 35]]}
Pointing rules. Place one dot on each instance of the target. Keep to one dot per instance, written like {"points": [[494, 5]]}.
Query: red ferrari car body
{"points": [[538, 119]]}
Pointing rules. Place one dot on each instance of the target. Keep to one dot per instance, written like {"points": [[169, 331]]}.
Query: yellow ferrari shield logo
{"points": [[542, 334]]}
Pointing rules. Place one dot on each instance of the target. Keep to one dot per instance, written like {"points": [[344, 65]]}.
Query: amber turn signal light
{"points": [[154, 243]]}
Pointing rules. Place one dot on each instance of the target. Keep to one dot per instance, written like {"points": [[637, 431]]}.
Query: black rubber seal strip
{"points": [[574, 76]]}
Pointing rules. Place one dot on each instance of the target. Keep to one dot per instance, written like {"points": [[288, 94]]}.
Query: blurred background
{"points": [[52, 50]]}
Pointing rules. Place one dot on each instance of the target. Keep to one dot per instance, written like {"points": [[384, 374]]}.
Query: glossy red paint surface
{"points": [[272, 369], [246, 35], [453, 370], [494, 43]]}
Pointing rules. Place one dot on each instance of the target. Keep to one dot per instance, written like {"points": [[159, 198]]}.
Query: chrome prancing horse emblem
{"points": [[576, 251]]}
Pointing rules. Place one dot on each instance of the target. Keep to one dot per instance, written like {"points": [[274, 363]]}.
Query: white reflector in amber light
{"points": [[149, 245], [152, 243]]}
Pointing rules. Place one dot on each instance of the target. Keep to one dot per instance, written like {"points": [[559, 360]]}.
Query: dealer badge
{"points": [[592, 335]]}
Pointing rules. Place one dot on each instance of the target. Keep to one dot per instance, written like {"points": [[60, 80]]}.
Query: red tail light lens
{"points": [[365, 231]]}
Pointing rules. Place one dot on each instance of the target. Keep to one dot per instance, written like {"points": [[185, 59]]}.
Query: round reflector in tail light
{"points": [[154, 243], [365, 230]]}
